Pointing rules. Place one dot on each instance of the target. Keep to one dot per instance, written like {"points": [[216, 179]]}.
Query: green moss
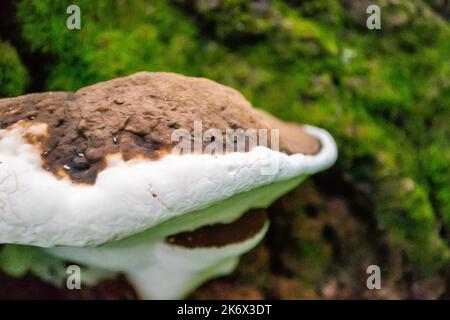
{"points": [[408, 215], [234, 18], [17, 261], [13, 75], [115, 39]]}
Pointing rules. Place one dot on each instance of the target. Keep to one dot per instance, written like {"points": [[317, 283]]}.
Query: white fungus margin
{"points": [[37, 208]]}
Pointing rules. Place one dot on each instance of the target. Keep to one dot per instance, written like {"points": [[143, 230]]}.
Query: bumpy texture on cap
{"points": [[134, 115]]}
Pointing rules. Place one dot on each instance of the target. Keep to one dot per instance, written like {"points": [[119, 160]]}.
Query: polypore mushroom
{"points": [[92, 177]]}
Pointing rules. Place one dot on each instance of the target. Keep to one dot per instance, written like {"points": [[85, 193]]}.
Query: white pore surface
{"points": [[172, 271], [37, 208]]}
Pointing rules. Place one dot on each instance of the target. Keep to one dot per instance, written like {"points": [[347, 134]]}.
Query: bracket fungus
{"points": [[91, 177]]}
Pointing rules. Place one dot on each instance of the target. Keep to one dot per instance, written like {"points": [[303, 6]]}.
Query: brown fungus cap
{"points": [[222, 234], [135, 116]]}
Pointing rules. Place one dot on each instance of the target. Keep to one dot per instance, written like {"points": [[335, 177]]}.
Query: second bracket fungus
{"points": [[92, 176]]}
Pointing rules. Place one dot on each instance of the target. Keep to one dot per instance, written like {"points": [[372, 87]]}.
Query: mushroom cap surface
{"points": [[134, 116], [93, 166]]}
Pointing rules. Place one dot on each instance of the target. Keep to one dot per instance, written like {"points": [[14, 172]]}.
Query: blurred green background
{"points": [[383, 94]]}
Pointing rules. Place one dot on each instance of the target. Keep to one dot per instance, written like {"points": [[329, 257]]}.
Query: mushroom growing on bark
{"points": [[92, 177]]}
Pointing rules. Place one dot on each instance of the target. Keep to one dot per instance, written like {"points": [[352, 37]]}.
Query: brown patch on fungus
{"points": [[293, 138], [222, 234], [136, 116]]}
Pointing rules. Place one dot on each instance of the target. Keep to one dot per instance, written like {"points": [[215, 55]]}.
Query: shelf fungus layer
{"points": [[93, 176]]}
